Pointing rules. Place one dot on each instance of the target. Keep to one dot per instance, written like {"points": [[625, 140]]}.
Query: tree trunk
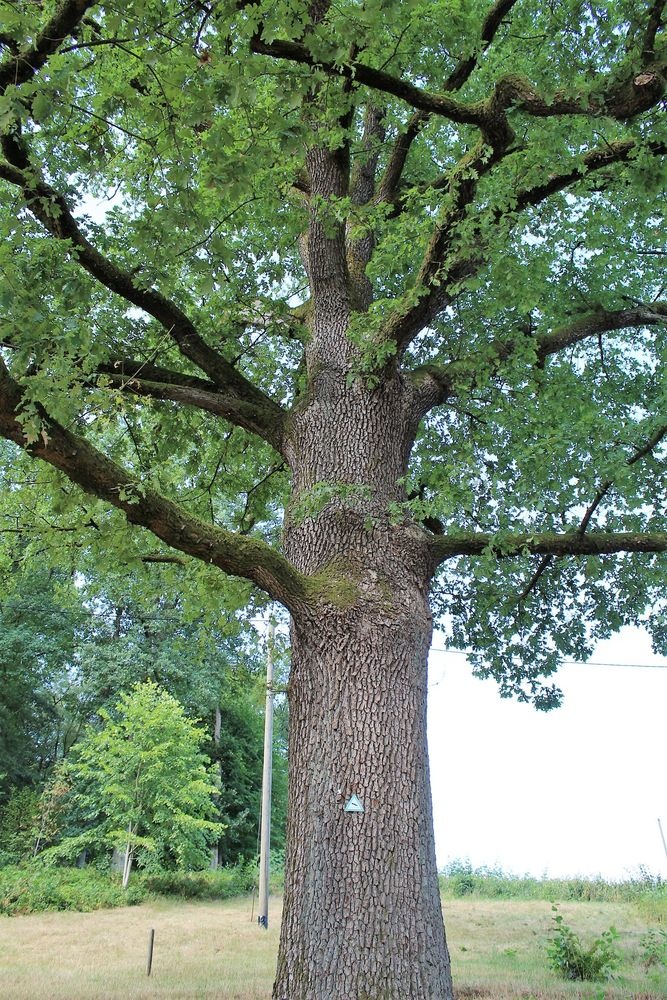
{"points": [[358, 727], [362, 917], [127, 865], [217, 730]]}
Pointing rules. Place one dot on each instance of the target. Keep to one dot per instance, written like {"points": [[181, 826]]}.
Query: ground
{"points": [[206, 950]]}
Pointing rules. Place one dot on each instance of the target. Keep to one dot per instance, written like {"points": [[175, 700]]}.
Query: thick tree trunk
{"points": [[362, 917]]}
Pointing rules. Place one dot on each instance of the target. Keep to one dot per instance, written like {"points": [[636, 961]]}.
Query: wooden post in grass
{"points": [[149, 957]]}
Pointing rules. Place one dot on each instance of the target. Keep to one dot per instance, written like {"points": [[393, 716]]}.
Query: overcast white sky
{"points": [[576, 791]]}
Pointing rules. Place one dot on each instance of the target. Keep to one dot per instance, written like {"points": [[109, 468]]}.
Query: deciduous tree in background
{"points": [[145, 780], [391, 266]]}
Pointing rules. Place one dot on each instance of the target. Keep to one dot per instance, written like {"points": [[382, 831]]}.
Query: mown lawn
{"points": [[216, 950]]}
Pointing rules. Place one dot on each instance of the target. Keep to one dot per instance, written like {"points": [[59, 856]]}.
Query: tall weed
{"points": [[570, 959]]}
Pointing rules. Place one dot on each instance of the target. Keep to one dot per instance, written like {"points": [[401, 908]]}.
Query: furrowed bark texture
{"points": [[357, 699]]}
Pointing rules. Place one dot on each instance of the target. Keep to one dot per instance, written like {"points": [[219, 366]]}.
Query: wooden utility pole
{"points": [[265, 833]]}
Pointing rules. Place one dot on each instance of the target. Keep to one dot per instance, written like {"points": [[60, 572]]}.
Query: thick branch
{"points": [[22, 66], [492, 22], [446, 547], [376, 79], [187, 391], [652, 28], [440, 268], [600, 494], [248, 406], [405, 323], [388, 186], [601, 321], [622, 100], [597, 159], [438, 383], [126, 370], [96, 474]]}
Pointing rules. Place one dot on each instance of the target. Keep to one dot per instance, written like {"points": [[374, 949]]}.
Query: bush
{"points": [[569, 959], [654, 948], [221, 884], [35, 889], [645, 890], [460, 878]]}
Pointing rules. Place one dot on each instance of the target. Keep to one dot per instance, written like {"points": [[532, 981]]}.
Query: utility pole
{"points": [[664, 843], [265, 833]]}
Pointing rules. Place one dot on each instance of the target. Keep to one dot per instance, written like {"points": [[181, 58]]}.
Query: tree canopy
{"points": [[510, 257], [393, 270], [69, 645]]}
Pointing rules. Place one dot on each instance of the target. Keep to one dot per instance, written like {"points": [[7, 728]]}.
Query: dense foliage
{"points": [[145, 783], [392, 270], [36, 888], [176, 196], [68, 648]]}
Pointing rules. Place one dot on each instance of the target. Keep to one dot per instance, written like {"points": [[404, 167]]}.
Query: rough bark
{"points": [[357, 699], [358, 726]]}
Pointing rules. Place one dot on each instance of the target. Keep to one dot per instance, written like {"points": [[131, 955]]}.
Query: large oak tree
{"points": [[393, 267]]}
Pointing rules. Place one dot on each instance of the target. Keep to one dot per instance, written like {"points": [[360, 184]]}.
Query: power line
{"points": [[567, 663]]}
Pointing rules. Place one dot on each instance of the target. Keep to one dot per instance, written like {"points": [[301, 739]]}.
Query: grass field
{"points": [[215, 950]]}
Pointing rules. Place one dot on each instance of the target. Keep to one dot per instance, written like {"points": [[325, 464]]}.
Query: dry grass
{"points": [[201, 950], [497, 950], [214, 950]]}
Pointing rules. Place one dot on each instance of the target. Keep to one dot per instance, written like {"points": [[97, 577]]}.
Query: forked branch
{"points": [[96, 474], [600, 494], [246, 405], [438, 383]]}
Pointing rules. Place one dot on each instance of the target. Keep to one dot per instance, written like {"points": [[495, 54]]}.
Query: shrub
{"points": [[34, 889], [569, 959], [221, 884], [460, 878], [654, 948]]}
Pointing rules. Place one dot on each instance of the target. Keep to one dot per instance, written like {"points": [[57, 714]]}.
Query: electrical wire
{"points": [[567, 663]]}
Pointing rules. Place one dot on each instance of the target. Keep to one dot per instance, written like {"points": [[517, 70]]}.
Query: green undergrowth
{"points": [[34, 889], [648, 892]]}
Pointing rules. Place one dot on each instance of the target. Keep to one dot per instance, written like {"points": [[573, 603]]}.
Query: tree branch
{"points": [[653, 26], [623, 100], [96, 474], [438, 383], [462, 73], [606, 486], [391, 179], [436, 277], [23, 65], [248, 406], [601, 321], [600, 494], [597, 159], [388, 186], [445, 547], [405, 323], [376, 79], [185, 390]]}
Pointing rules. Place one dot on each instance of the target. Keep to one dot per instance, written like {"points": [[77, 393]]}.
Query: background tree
{"points": [[67, 649], [42, 711], [145, 775], [395, 268]]}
